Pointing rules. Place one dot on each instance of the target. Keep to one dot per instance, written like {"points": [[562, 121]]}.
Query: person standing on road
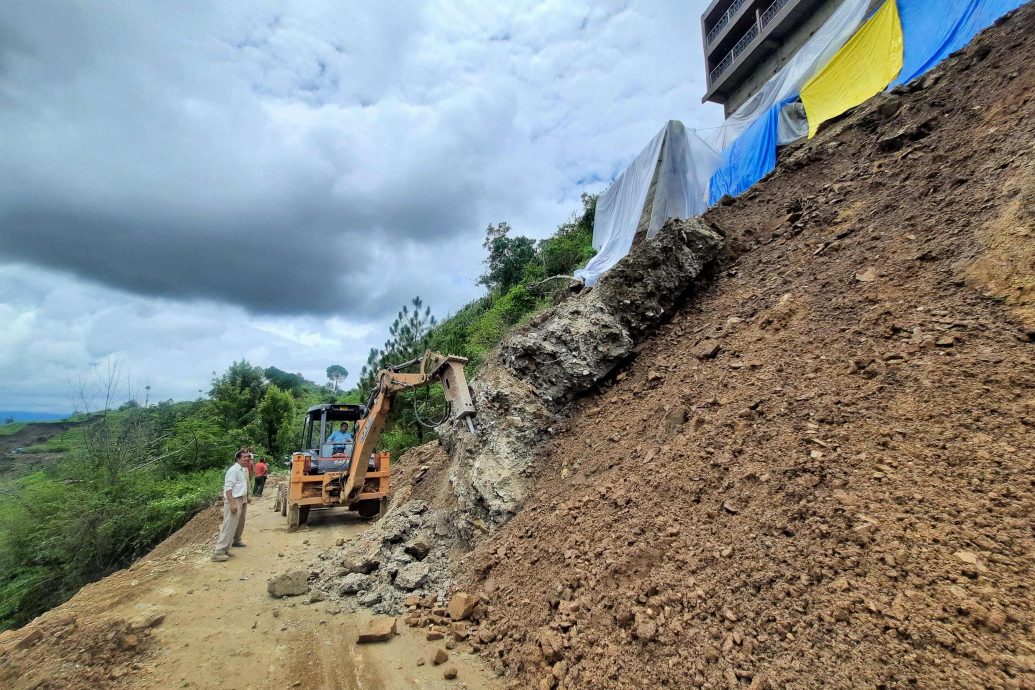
{"points": [[235, 496], [261, 468], [249, 466]]}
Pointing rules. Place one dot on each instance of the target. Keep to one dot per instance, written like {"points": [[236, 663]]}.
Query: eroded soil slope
{"points": [[819, 474]]}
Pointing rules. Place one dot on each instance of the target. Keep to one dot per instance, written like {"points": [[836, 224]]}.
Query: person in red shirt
{"points": [[250, 466], [261, 469]]}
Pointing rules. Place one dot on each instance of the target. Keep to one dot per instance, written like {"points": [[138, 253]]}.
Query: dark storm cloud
{"points": [[342, 158], [273, 179]]}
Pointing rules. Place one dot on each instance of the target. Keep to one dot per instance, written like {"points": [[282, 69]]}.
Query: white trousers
{"points": [[233, 524]]}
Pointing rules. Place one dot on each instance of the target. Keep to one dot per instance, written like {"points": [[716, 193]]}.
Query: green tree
{"points": [[336, 373], [292, 383], [197, 441], [237, 392], [274, 411], [408, 338], [507, 259]]}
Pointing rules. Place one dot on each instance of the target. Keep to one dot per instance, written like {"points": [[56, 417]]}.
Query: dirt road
{"points": [[221, 629]]}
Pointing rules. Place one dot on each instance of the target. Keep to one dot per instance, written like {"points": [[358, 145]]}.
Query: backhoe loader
{"points": [[327, 473]]}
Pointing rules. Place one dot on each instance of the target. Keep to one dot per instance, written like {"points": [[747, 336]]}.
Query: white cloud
{"points": [[295, 171]]}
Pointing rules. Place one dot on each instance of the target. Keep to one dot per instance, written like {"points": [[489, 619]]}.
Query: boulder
{"points": [[369, 599], [289, 584], [412, 576], [379, 630], [362, 563], [418, 547], [461, 606], [354, 582]]}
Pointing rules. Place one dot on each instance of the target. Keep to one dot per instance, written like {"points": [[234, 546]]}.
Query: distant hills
{"points": [[19, 416]]}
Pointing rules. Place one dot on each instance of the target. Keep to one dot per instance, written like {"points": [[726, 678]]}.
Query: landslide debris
{"points": [[819, 474], [521, 393], [60, 651]]}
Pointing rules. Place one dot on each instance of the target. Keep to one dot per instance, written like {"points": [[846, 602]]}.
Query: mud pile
{"points": [[819, 474]]}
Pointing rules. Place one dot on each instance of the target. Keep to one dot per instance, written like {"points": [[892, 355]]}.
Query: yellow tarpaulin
{"points": [[860, 70]]}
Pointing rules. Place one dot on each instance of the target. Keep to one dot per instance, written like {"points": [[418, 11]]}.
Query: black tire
{"points": [[369, 509], [303, 515]]}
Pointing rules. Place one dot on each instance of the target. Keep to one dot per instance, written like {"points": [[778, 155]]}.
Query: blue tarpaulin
{"points": [[934, 30], [750, 158]]}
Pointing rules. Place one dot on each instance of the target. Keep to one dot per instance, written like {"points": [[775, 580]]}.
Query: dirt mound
{"points": [[59, 651], [422, 474], [819, 474]]}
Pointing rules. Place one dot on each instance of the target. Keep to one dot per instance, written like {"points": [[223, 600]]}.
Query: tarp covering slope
{"points": [[934, 30], [861, 69], [681, 192], [787, 82], [750, 158], [687, 163]]}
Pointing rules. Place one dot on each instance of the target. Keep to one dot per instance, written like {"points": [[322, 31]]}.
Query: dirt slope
{"points": [[30, 434], [819, 474], [177, 620]]}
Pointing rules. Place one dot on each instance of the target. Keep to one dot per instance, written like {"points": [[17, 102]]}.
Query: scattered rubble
{"points": [[848, 501]]}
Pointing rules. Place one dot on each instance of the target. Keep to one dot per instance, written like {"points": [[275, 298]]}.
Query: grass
{"points": [[12, 428], [59, 443]]}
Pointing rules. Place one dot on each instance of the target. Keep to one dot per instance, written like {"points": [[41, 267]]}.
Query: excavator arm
{"points": [[448, 369]]}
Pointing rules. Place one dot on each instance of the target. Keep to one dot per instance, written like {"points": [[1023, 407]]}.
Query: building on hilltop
{"points": [[747, 41]]}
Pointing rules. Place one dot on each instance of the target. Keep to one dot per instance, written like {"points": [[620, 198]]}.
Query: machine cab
{"points": [[320, 422]]}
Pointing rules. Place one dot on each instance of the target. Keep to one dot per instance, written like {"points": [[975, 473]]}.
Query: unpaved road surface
{"points": [[221, 629]]}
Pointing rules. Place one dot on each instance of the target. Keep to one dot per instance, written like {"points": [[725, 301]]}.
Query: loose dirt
{"points": [[820, 473], [177, 620]]}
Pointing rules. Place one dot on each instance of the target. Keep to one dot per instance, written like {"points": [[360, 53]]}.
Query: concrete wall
{"points": [[788, 47]]}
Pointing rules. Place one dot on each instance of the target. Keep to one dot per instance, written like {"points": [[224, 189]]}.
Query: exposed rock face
{"points": [[558, 356], [520, 394]]}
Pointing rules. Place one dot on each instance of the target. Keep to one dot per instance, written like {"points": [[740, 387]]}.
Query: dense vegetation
{"points": [[518, 273], [129, 476]]}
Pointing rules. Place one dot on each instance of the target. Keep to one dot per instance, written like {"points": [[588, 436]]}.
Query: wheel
{"points": [[283, 501], [276, 502], [303, 515], [293, 518], [372, 508]]}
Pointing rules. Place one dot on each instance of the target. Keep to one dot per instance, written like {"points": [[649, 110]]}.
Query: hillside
{"points": [[818, 474], [786, 445]]}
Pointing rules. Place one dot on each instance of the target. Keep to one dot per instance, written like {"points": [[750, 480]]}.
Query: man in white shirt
{"points": [[235, 495]]}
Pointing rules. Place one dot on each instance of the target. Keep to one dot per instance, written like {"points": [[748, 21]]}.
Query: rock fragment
{"points": [[288, 584], [379, 630], [412, 576]]}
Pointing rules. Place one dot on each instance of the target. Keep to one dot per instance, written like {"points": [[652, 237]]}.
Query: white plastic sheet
{"points": [[791, 123], [687, 163], [813, 54]]}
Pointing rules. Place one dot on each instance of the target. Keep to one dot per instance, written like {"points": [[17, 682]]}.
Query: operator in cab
{"points": [[340, 438]]}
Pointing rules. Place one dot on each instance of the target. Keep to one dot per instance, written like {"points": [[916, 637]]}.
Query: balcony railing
{"points": [[724, 20], [771, 12], [745, 42], [739, 48]]}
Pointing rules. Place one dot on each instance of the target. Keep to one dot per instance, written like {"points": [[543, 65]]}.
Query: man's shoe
{"points": [[238, 544], [220, 557]]}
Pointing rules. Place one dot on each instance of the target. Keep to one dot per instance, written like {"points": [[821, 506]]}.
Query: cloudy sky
{"points": [[183, 184]]}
